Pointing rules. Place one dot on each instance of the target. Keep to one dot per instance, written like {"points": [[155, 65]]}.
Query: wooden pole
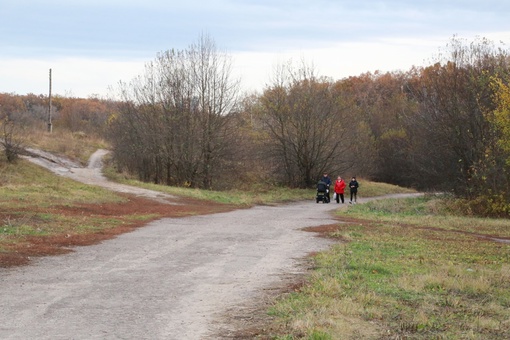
{"points": [[50, 127]]}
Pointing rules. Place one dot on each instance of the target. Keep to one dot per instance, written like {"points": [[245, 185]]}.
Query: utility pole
{"points": [[50, 127]]}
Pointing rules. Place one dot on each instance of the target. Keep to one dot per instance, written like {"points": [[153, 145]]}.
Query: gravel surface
{"points": [[172, 279]]}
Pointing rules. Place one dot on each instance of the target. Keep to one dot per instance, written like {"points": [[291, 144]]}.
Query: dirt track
{"points": [[197, 277]]}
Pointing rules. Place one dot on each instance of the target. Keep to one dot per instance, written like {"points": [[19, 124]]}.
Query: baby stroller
{"points": [[322, 192]]}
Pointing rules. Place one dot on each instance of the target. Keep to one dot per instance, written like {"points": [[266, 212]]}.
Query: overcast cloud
{"points": [[92, 44]]}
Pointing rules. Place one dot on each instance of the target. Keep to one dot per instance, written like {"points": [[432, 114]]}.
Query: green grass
{"points": [[407, 269], [30, 197], [25, 184], [372, 189], [258, 194], [237, 197]]}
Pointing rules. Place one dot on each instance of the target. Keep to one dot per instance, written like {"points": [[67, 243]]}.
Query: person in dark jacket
{"points": [[353, 187], [325, 178]]}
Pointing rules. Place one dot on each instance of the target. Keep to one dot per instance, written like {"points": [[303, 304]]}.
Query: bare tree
{"points": [[177, 117], [11, 139], [12, 110], [305, 123]]}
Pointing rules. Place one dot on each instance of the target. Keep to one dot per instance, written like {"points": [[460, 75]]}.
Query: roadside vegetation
{"points": [[405, 269]]}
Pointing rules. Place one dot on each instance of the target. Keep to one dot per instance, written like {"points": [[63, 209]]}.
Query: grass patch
{"points": [[37, 203], [258, 193], [408, 270], [373, 189], [237, 197], [26, 185]]}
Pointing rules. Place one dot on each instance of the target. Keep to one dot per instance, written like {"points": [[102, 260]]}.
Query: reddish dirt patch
{"points": [[323, 230], [35, 246], [328, 230]]}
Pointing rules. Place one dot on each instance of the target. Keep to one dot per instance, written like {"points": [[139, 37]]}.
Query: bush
{"points": [[483, 206]]}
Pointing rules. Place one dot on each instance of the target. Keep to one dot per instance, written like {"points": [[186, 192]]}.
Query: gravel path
{"points": [[91, 174], [169, 280]]}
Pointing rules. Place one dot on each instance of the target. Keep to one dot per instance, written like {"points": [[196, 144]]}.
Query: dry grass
{"points": [[77, 146], [393, 277]]}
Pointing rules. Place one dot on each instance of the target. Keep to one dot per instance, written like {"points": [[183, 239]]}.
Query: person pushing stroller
{"points": [[327, 181]]}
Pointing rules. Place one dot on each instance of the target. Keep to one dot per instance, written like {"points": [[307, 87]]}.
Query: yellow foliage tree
{"points": [[495, 168], [501, 115]]}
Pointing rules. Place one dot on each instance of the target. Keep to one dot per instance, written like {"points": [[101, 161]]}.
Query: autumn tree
{"points": [[493, 171], [175, 125], [450, 132], [377, 110], [87, 115], [255, 164], [500, 116]]}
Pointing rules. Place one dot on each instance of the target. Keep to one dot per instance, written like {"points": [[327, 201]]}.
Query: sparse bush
{"points": [[11, 139]]}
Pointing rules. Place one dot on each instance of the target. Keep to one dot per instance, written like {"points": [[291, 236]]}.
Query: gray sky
{"points": [[93, 44]]}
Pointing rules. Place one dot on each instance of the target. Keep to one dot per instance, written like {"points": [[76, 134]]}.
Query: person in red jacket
{"points": [[339, 189]]}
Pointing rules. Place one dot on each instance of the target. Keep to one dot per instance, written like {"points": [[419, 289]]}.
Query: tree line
{"points": [[185, 122]]}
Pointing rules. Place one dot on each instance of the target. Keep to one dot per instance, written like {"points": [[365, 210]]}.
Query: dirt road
{"points": [[173, 279], [91, 174], [177, 278]]}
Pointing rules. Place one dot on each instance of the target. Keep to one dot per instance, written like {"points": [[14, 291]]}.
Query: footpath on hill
{"points": [[199, 277]]}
